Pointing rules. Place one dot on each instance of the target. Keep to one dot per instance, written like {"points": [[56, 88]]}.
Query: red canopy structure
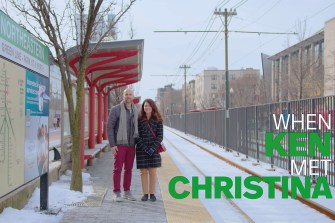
{"points": [[112, 65]]}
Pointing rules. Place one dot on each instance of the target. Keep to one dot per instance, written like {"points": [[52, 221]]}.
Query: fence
{"points": [[247, 127]]}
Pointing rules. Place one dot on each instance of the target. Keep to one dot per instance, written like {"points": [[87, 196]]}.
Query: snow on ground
{"points": [[60, 197]]}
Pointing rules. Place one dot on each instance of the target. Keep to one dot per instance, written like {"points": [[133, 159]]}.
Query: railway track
{"points": [[228, 201], [311, 204]]}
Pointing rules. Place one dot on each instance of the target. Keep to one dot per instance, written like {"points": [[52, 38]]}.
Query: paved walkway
{"points": [[110, 211], [165, 209]]}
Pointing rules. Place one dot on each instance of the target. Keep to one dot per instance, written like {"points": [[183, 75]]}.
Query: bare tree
{"points": [[131, 31], [329, 71], [264, 91], [170, 102], [306, 76], [54, 28], [243, 90], [203, 102], [116, 95], [287, 42], [306, 73]]}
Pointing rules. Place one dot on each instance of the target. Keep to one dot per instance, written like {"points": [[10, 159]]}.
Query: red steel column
{"points": [[99, 137], [105, 136], [82, 132], [91, 128]]}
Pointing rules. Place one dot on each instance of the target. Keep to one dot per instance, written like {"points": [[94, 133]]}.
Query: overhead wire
{"points": [[201, 40], [242, 2], [261, 16], [198, 45], [277, 36], [204, 34], [222, 4], [209, 46], [208, 51]]}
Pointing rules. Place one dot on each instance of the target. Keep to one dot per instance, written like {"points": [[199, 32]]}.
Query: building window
{"points": [[277, 66], [316, 53], [213, 86], [322, 52], [213, 77], [294, 56], [319, 53], [306, 55], [285, 65]]}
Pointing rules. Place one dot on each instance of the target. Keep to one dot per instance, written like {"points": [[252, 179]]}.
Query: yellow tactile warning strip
{"points": [[185, 210]]}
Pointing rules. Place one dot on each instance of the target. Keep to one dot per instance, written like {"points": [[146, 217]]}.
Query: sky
{"points": [[165, 52], [197, 163]]}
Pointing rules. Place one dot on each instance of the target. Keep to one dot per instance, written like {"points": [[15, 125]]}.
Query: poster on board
{"points": [[36, 125]]}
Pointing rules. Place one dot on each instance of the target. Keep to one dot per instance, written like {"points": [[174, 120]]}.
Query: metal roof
{"points": [[116, 63]]}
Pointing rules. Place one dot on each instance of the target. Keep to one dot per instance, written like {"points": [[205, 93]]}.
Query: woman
{"points": [[150, 129]]}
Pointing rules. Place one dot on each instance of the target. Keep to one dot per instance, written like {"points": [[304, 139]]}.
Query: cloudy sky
{"points": [[165, 52]]}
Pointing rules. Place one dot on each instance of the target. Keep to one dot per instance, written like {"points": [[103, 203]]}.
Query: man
{"points": [[122, 130]]}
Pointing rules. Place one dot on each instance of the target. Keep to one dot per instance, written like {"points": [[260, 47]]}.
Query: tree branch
{"points": [[119, 16]]}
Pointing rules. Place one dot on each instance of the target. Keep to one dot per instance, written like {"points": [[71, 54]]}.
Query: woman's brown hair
{"points": [[155, 114]]}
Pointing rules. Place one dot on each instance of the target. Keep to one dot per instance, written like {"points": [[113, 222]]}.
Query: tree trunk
{"points": [[76, 180]]}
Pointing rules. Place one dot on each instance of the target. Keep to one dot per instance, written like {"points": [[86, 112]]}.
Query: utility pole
{"points": [[185, 67], [226, 14]]}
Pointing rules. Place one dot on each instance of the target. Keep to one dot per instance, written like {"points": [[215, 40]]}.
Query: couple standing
{"points": [[126, 128]]}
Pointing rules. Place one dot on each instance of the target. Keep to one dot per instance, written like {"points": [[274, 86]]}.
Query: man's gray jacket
{"points": [[113, 126]]}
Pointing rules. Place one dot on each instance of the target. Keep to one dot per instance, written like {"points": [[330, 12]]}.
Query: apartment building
{"points": [[306, 69], [209, 86]]}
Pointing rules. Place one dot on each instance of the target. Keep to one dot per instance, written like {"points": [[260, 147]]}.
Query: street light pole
{"points": [[226, 14]]}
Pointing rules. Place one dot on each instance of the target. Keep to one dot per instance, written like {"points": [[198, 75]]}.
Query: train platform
{"points": [[165, 209], [189, 156]]}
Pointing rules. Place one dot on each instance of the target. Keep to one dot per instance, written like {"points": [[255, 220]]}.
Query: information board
{"points": [[24, 106]]}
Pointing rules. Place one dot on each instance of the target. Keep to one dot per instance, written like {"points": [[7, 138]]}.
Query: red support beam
{"points": [[82, 132], [99, 136], [118, 72], [91, 127], [105, 136], [110, 57], [115, 57], [115, 79]]}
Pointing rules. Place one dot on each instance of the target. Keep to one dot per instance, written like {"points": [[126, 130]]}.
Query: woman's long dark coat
{"points": [[146, 139]]}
